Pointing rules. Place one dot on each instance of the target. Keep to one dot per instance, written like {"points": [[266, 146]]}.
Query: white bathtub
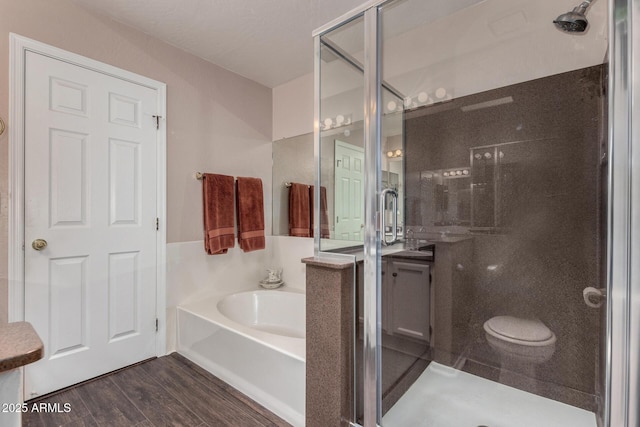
{"points": [[253, 340]]}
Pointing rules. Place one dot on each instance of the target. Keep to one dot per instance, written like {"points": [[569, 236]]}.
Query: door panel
{"points": [[68, 308], [409, 300], [124, 182], [90, 192]]}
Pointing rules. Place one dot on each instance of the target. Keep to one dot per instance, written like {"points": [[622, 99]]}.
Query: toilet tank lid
{"points": [[532, 330]]}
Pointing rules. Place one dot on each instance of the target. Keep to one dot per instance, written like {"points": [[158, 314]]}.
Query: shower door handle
{"points": [[383, 209]]}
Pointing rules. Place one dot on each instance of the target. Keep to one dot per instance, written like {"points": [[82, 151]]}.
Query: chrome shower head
{"points": [[574, 21]]}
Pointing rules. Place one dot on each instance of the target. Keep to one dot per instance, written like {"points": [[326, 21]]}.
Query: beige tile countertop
{"points": [[19, 345]]}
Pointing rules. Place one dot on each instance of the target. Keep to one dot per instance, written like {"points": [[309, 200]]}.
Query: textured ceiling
{"points": [[270, 41], [266, 41]]}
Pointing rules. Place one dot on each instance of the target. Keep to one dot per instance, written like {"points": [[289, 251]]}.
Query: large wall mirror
{"points": [[342, 177]]}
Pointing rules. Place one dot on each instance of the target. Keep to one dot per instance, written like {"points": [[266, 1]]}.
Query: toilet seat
{"points": [[526, 332]]}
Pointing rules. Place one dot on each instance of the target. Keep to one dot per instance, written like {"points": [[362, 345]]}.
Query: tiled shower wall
{"points": [[548, 244]]}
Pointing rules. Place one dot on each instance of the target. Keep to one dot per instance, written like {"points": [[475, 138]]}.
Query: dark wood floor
{"points": [[168, 391]]}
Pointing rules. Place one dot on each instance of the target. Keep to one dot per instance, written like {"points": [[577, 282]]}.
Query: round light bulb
{"points": [[328, 122], [446, 174], [441, 93], [487, 155], [398, 152], [391, 106], [501, 155], [458, 173], [465, 172], [478, 156], [339, 119], [423, 97], [389, 153]]}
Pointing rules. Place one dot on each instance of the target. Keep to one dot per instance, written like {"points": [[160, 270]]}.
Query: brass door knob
{"points": [[39, 244]]}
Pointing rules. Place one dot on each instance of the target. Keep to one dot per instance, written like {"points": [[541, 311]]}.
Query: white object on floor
{"points": [[445, 397]]}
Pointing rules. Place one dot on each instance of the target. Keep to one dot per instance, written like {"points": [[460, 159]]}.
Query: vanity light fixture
{"points": [[335, 122], [422, 98], [456, 173], [394, 153]]}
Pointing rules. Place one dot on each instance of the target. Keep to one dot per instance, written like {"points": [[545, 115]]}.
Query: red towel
{"points": [[217, 206], [250, 203], [324, 212], [299, 211]]}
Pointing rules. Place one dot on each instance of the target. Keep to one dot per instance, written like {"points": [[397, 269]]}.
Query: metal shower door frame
{"points": [[622, 381]]}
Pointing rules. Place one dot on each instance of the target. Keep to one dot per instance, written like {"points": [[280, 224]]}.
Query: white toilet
{"points": [[521, 343]]}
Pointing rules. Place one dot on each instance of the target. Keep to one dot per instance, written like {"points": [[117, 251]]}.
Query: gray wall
{"points": [[549, 247]]}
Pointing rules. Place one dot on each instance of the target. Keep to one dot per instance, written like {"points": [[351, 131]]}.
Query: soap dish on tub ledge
{"points": [[271, 284]]}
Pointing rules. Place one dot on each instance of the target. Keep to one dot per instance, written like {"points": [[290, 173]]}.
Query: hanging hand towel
{"points": [[324, 212], [299, 211], [217, 205], [250, 214]]}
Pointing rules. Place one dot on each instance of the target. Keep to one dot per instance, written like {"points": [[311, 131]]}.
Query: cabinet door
{"points": [[410, 302]]}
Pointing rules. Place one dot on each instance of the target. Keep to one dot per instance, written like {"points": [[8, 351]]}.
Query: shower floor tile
{"points": [[446, 397]]}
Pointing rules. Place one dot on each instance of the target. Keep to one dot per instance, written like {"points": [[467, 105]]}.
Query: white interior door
{"points": [[90, 193], [349, 191]]}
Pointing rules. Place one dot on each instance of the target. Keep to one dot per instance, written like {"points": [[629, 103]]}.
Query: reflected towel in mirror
{"points": [[250, 202], [299, 210]]}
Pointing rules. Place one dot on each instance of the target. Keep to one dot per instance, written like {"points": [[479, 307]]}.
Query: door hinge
{"points": [[157, 121], [156, 325], [157, 224]]}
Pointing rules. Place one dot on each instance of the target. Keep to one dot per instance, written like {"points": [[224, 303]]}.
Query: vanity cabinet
{"points": [[405, 323], [408, 299], [406, 306]]}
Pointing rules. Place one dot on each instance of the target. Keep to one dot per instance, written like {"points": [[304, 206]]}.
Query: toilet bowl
{"points": [[520, 341]]}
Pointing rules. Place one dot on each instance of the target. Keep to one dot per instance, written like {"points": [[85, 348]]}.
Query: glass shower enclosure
{"points": [[477, 161]]}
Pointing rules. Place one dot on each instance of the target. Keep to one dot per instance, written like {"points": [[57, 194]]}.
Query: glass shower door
{"points": [[511, 297], [482, 317]]}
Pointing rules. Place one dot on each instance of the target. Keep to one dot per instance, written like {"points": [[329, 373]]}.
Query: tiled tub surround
{"points": [[549, 243], [263, 355], [192, 275], [196, 282]]}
